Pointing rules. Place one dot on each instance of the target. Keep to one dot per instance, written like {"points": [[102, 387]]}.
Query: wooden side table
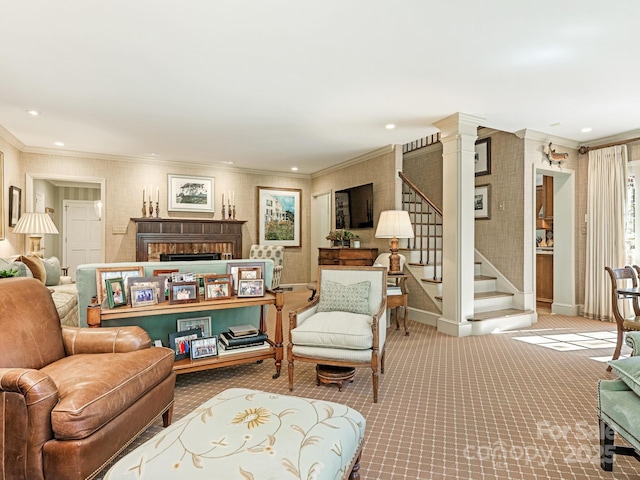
{"points": [[400, 300]]}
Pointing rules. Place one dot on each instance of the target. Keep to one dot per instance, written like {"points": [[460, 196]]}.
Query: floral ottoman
{"points": [[251, 435]]}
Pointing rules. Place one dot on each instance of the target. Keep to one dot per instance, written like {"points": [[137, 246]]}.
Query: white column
{"points": [[458, 135]]}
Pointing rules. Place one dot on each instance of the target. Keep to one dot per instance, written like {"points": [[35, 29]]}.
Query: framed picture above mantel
{"points": [[190, 193]]}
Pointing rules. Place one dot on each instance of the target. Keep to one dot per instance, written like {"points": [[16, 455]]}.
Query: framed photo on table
{"points": [[143, 295], [234, 268], [279, 216], [251, 288], [190, 193], [116, 292], [179, 342], [183, 292], [204, 347], [218, 287], [482, 202], [103, 273], [203, 323]]}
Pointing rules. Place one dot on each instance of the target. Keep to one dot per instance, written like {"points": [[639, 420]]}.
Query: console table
{"points": [[347, 256], [273, 350]]}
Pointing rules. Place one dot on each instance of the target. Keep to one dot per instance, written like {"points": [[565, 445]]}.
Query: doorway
{"points": [[81, 227], [563, 242], [58, 189], [320, 227]]}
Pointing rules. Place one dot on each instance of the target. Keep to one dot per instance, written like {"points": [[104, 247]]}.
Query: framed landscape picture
{"points": [[279, 216], [190, 193]]}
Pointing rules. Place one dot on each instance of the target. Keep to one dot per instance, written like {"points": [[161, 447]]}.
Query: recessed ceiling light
{"points": [[227, 162], [389, 126], [586, 129], [33, 113], [59, 144], [295, 169], [556, 124]]}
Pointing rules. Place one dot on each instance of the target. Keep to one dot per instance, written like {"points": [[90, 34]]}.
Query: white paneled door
{"points": [[82, 242]]}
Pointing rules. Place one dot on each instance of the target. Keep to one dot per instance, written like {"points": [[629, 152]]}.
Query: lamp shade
{"points": [[394, 223], [33, 223]]}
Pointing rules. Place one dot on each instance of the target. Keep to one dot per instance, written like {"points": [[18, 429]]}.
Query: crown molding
{"points": [[11, 138], [359, 159], [154, 160], [620, 137], [528, 134]]}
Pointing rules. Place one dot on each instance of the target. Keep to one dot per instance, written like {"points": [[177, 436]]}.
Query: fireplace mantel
{"points": [[155, 236]]}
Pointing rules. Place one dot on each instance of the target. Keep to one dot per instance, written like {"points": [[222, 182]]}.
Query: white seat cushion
{"points": [[335, 330]]}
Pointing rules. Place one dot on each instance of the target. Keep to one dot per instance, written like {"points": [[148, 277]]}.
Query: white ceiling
{"points": [[271, 84]]}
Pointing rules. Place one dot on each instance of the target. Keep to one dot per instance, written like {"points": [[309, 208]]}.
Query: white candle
{"points": [[234, 198], [144, 193], [158, 193]]}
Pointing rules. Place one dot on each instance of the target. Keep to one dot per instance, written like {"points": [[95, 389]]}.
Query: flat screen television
{"points": [[354, 207]]}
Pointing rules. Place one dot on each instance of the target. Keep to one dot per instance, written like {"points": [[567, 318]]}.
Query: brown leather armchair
{"points": [[72, 398]]}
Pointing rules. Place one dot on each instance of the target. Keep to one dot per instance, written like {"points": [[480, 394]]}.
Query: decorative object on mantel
{"points": [[144, 203], [554, 158], [341, 237], [394, 224]]}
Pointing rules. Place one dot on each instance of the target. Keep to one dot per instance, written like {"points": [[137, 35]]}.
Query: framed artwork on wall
{"points": [[15, 205], [483, 157], [2, 196], [482, 202], [279, 216], [190, 193]]}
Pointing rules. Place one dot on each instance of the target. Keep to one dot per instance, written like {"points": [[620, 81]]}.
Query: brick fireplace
{"points": [[157, 236]]}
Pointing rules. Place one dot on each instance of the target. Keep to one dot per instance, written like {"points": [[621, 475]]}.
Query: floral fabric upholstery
{"points": [[247, 434], [273, 252]]}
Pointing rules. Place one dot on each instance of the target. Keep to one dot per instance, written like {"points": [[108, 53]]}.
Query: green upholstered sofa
{"points": [[619, 406]]}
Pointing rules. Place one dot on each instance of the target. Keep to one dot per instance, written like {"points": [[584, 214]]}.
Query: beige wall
{"points": [[125, 180], [13, 243], [379, 170]]}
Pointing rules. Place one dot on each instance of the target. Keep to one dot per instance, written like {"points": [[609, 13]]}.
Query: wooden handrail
{"points": [[419, 193]]}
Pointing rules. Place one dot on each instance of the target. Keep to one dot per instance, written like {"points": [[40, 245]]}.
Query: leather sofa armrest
{"points": [[104, 340], [29, 398]]}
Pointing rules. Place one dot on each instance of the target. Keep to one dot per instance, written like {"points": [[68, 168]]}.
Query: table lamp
{"points": [[35, 225], [394, 224]]}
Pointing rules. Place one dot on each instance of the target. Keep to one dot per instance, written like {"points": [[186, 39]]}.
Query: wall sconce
{"points": [[97, 206]]}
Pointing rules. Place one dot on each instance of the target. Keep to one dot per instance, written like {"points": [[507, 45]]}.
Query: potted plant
{"points": [[341, 237], [8, 273]]}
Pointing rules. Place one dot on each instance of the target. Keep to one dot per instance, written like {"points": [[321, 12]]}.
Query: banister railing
{"points": [[426, 218]]}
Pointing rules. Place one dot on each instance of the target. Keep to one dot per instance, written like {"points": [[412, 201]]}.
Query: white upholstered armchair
{"points": [[345, 324], [275, 253]]}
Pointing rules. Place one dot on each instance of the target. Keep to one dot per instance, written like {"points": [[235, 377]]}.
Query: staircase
{"points": [[495, 299]]}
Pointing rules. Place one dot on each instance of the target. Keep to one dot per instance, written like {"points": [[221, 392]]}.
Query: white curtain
{"points": [[606, 205]]}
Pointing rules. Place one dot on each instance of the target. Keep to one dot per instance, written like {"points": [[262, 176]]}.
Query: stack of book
{"points": [[242, 336]]}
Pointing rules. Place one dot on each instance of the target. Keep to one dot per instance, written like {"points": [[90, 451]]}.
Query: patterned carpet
{"points": [[489, 407]]}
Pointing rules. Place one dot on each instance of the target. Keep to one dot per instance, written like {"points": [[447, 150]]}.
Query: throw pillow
{"points": [[628, 369], [53, 270], [336, 297], [34, 264]]}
